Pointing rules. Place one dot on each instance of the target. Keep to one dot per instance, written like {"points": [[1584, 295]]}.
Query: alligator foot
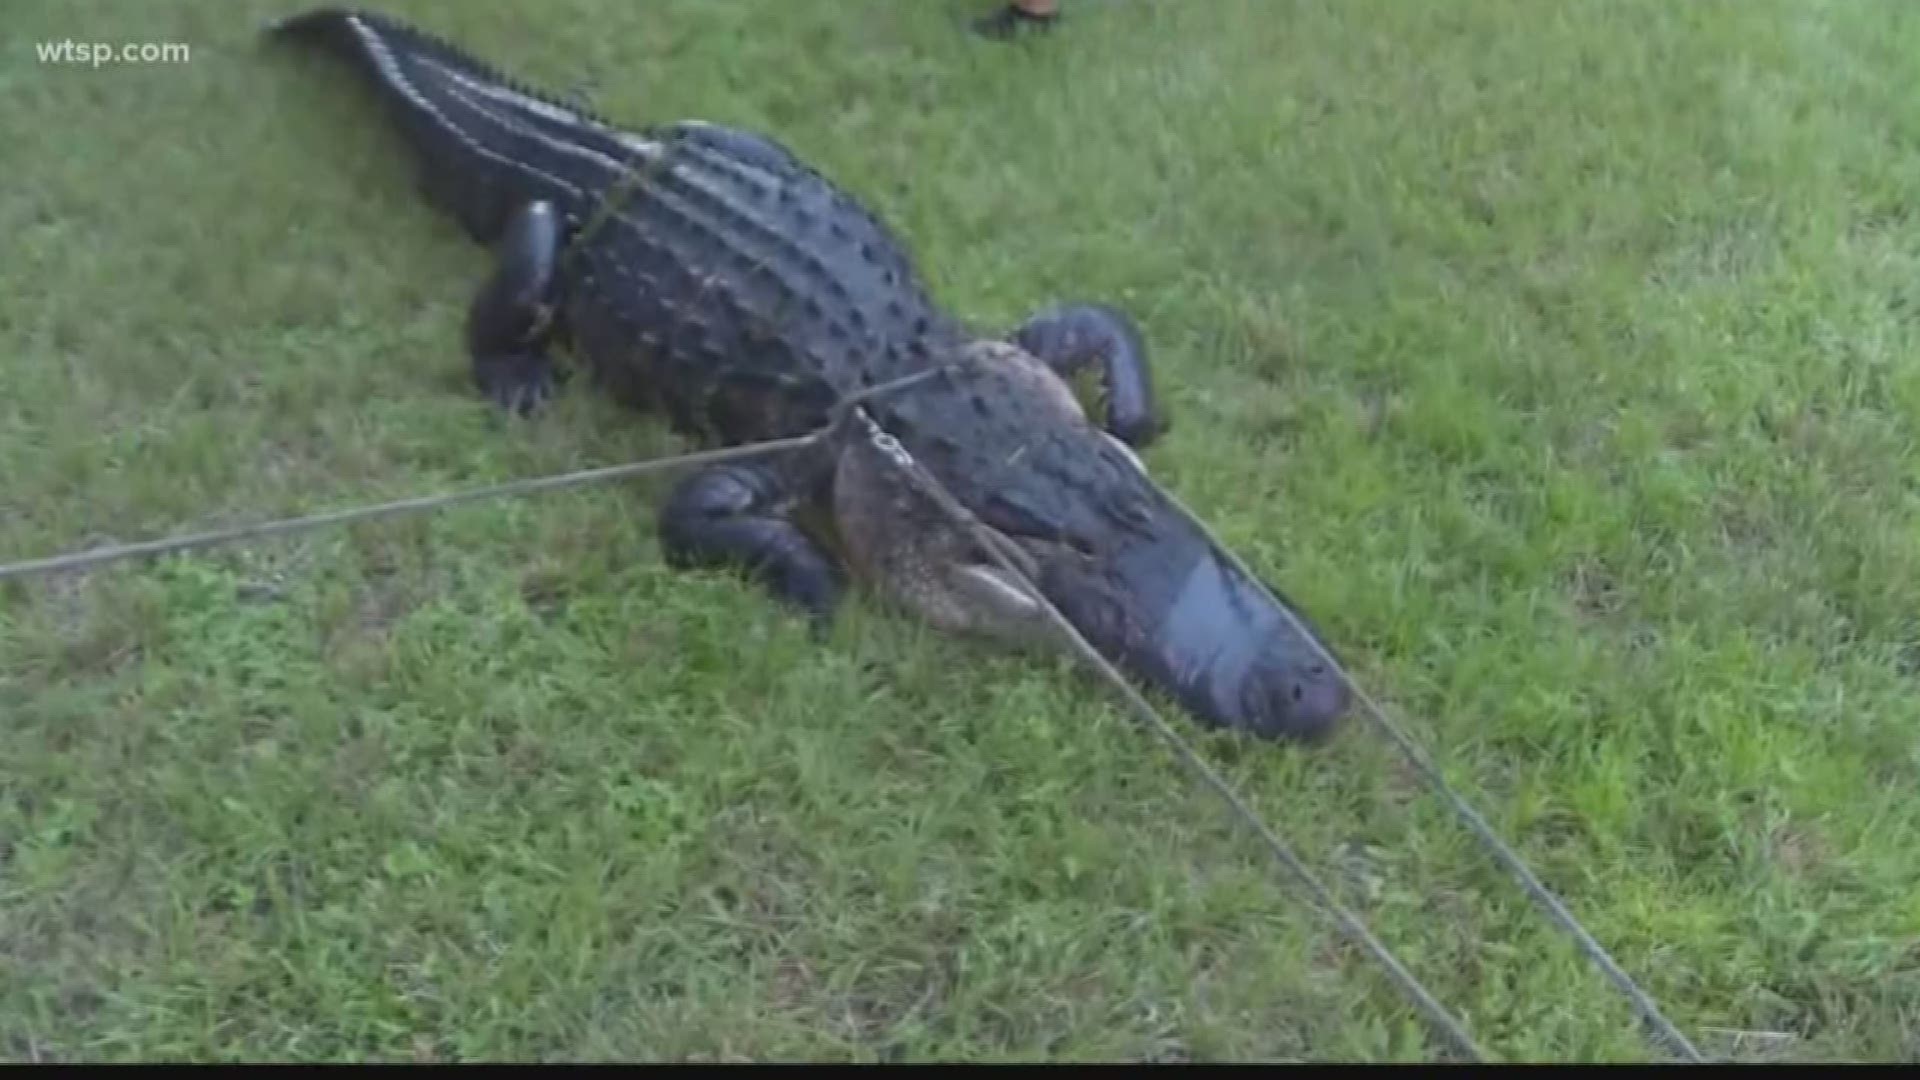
{"points": [[1070, 336], [510, 322], [737, 516]]}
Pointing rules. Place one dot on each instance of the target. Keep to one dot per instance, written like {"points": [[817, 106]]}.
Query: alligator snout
{"points": [[1237, 654], [1282, 696], [1177, 613]]}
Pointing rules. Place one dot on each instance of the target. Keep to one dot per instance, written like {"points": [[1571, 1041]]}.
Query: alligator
{"points": [[705, 273]]}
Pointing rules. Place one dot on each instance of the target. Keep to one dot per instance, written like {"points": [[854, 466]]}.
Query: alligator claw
{"points": [[518, 383]]}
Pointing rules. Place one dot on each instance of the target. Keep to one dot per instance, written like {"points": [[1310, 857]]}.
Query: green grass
{"points": [[1562, 359]]}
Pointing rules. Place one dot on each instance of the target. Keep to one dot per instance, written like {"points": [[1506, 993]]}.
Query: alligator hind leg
{"points": [[1071, 336], [740, 516], [510, 323]]}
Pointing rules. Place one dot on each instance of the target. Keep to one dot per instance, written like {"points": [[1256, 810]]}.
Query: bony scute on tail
{"points": [[706, 273]]}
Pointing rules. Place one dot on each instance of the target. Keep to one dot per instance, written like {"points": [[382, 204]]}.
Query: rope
{"points": [[1322, 897], [1436, 1013], [170, 545], [1556, 910], [1443, 1021]]}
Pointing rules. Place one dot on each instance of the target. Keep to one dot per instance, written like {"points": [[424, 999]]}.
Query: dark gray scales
{"points": [[710, 275]]}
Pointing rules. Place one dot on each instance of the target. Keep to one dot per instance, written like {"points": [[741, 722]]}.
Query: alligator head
{"points": [[1078, 515]]}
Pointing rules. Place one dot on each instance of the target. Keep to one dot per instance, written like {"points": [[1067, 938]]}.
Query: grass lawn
{"points": [[1562, 359]]}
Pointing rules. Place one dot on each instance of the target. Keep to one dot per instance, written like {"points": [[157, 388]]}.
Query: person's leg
{"points": [[1016, 15]]}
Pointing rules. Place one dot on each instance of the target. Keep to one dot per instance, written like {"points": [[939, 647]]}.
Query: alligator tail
{"points": [[383, 47], [489, 143]]}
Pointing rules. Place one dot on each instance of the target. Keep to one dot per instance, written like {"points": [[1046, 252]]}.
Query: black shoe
{"points": [[1011, 20]]}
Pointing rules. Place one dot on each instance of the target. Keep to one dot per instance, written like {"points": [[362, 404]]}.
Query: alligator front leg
{"points": [[740, 516], [510, 323], [1071, 336]]}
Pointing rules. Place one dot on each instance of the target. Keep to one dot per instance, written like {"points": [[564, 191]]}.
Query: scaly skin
{"points": [[706, 273]]}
